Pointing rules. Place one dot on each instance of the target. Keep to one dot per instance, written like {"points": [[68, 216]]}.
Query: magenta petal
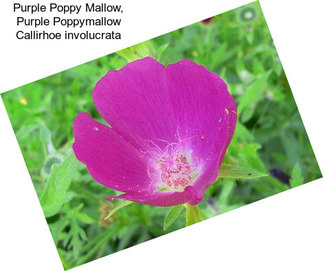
{"points": [[189, 195], [208, 20], [110, 160], [205, 113], [135, 102], [171, 127]]}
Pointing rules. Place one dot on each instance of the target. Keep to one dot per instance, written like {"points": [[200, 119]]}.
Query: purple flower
{"points": [[170, 128], [280, 175], [207, 21]]}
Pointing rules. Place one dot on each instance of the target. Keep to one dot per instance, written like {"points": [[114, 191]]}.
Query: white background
{"points": [[283, 232]]}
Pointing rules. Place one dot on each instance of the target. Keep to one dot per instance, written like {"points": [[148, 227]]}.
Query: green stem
{"points": [[192, 214]]}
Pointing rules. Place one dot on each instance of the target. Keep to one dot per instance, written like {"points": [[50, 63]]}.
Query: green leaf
{"points": [[116, 209], [137, 51], [238, 172], [248, 113], [172, 215], [54, 195], [243, 133], [127, 236], [69, 196], [192, 214], [226, 192], [76, 237], [250, 37], [297, 178], [245, 155], [65, 262], [254, 92], [257, 66], [222, 54], [240, 65], [98, 242], [160, 51], [26, 131], [45, 134], [84, 218], [57, 228], [292, 148]]}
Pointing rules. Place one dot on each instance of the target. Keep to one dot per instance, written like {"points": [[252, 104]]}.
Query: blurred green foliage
{"points": [[270, 135]]}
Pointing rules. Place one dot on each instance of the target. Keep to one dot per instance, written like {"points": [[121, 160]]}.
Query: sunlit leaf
{"points": [[172, 215], [192, 214], [238, 172], [137, 51]]}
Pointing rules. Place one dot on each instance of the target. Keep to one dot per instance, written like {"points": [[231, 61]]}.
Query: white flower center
{"points": [[174, 170]]}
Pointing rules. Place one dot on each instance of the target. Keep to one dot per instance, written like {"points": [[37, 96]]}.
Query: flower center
{"points": [[174, 170]]}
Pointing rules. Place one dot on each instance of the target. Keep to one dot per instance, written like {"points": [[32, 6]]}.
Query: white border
{"points": [[283, 232]]}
